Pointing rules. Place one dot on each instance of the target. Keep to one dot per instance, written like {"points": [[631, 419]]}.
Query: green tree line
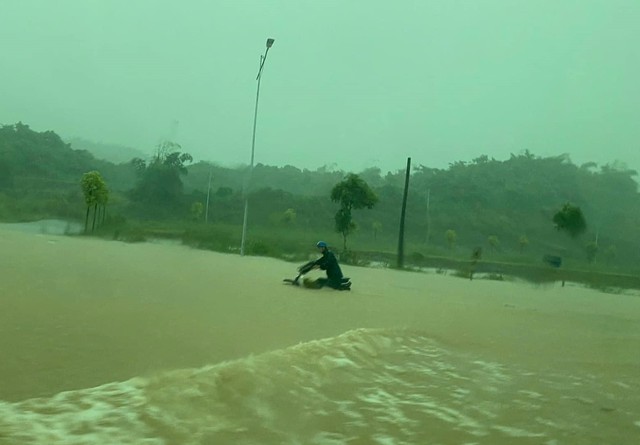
{"points": [[504, 206]]}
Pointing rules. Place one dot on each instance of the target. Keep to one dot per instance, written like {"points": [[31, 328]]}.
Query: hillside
{"points": [[40, 174], [116, 154], [504, 207]]}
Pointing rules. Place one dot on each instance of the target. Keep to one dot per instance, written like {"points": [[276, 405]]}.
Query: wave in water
{"points": [[363, 387]]}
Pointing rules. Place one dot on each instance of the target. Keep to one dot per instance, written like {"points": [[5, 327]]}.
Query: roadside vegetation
{"points": [[539, 219]]}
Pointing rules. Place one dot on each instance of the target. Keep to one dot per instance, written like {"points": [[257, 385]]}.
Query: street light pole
{"points": [[263, 58]]}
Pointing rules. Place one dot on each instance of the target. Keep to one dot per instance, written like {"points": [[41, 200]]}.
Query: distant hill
{"points": [[27, 155], [42, 163], [505, 207], [116, 154]]}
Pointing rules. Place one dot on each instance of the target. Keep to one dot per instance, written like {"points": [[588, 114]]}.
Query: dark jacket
{"points": [[329, 263]]}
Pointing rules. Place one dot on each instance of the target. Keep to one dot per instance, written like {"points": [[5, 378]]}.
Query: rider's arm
{"points": [[320, 262]]}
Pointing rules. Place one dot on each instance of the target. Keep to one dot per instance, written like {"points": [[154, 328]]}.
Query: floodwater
{"points": [[46, 227], [110, 343]]}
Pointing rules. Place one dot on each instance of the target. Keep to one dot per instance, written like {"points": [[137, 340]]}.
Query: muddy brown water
{"points": [[78, 313]]}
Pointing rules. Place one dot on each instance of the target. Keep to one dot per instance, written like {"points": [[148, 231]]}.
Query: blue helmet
{"points": [[321, 244]]}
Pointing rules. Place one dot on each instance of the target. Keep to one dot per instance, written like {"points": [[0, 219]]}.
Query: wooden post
{"points": [[402, 214]]}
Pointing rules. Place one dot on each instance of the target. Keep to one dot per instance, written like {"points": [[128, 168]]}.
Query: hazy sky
{"points": [[357, 83]]}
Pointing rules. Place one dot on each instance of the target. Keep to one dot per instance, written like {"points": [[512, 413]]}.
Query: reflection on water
{"points": [[46, 227], [362, 387]]}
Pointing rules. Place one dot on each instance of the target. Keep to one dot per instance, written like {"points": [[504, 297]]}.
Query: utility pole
{"points": [[402, 214]]}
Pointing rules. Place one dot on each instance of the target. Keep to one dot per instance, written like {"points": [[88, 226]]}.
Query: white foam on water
{"points": [[384, 440], [516, 432], [531, 394], [327, 438], [105, 414], [365, 386]]}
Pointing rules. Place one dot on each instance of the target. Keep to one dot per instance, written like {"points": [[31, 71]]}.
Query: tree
{"points": [[159, 186], [95, 193], [224, 192], [523, 242], [344, 225], [610, 254], [494, 242], [377, 227], [197, 209], [289, 216], [351, 193], [103, 199], [451, 236], [592, 251], [571, 220]]}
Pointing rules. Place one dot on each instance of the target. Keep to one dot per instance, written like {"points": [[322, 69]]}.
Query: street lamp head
{"points": [[270, 42]]}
